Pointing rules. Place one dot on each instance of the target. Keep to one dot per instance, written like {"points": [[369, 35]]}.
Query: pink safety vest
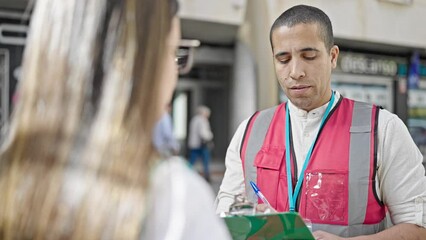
{"points": [[338, 193]]}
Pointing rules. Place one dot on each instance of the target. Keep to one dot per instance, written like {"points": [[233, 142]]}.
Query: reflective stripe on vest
{"points": [[352, 230], [360, 151], [256, 129]]}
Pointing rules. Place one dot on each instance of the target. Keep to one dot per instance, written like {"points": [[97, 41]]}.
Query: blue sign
{"points": [[413, 73]]}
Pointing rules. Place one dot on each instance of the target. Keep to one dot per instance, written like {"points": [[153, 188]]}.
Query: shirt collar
{"points": [[314, 113]]}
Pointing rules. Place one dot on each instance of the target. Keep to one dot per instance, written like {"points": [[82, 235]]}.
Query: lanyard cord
{"points": [[293, 196]]}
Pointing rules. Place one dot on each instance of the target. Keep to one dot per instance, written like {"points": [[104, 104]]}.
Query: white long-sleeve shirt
{"points": [[401, 175], [199, 131]]}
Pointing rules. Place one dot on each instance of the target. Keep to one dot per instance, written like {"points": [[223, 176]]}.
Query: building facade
{"points": [[233, 71]]}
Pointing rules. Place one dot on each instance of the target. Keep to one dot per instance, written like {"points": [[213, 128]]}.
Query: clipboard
{"points": [[276, 226]]}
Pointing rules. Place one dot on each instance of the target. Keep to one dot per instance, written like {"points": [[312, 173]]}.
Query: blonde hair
{"points": [[76, 160]]}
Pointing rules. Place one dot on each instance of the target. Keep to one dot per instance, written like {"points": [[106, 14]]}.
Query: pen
{"points": [[260, 195]]}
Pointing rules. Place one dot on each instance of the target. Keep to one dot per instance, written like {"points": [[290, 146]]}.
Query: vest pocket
{"points": [[269, 157], [325, 197]]}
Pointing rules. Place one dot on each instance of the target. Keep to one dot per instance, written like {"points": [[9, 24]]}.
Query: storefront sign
{"points": [[364, 64]]}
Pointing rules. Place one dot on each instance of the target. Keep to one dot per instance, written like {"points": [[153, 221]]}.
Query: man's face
{"points": [[303, 65]]}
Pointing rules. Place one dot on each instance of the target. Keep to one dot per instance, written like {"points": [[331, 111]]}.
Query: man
{"points": [[163, 138], [346, 162], [200, 139]]}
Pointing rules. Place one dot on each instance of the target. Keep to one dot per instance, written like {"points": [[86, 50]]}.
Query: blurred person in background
{"points": [[340, 163], [78, 162], [164, 140], [200, 140]]}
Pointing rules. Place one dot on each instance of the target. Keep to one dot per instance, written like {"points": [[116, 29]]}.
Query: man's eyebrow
{"points": [[308, 49], [279, 54]]}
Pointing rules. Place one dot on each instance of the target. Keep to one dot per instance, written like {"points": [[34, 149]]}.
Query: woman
{"points": [[77, 161]]}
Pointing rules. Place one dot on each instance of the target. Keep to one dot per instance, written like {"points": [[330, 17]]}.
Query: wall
{"points": [[219, 11], [254, 33], [243, 86], [369, 20]]}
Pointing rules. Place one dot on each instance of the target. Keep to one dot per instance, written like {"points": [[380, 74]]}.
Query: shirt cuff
{"points": [[410, 212]]}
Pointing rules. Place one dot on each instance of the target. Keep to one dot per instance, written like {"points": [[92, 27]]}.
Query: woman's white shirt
{"points": [[180, 205]]}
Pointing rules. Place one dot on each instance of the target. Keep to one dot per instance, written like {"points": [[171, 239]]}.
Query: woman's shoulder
{"points": [[175, 171], [182, 204]]}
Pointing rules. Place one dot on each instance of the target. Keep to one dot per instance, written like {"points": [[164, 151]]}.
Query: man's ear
{"points": [[334, 53]]}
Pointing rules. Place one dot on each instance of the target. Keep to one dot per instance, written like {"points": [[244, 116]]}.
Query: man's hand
{"points": [[263, 208]]}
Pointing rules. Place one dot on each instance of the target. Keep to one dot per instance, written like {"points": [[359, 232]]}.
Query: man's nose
{"points": [[296, 70]]}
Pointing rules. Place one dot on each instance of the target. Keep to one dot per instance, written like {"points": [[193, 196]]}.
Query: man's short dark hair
{"points": [[307, 15]]}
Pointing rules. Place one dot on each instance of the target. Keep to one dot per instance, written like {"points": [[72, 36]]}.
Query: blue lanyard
{"points": [[293, 196]]}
